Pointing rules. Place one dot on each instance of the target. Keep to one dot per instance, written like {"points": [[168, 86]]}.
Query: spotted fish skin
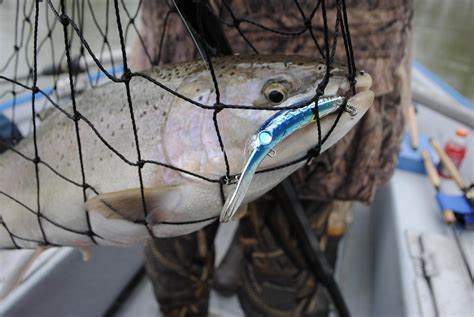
{"points": [[169, 130]]}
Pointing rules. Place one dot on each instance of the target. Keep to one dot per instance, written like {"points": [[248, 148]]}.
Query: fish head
{"points": [[258, 86], [275, 131]]}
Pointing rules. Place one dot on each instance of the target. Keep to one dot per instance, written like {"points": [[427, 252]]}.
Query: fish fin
{"points": [[128, 204]]}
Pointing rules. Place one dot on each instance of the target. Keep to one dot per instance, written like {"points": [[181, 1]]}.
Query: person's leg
{"points": [[275, 277], [180, 269]]}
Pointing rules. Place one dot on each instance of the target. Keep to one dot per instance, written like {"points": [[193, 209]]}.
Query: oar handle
{"points": [[431, 170], [448, 164], [413, 127]]}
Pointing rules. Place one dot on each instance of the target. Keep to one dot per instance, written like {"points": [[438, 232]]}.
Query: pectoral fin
{"points": [[128, 204]]}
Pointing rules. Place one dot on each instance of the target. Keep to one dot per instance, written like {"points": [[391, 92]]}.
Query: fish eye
{"points": [[275, 92]]}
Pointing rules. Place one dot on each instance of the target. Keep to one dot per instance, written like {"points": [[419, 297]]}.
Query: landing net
{"points": [[82, 63]]}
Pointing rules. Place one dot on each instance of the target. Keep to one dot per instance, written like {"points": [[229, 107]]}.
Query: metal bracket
{"points": [[350, 109], [272, 153], [232, 179]]}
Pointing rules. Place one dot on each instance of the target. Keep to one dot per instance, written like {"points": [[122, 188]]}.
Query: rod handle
{"points": [[413, 127], [431, 170]]}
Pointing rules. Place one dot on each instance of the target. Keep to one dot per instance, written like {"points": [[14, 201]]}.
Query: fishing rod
{"points": [[23, 98], [415, 143], [52, 70], [314, 255], [79, 64]]}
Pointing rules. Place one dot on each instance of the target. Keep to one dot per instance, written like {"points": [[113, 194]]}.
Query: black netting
{"points": [[83, 63]]}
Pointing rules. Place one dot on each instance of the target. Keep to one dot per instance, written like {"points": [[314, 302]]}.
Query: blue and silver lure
{"points": [[270, 134]]}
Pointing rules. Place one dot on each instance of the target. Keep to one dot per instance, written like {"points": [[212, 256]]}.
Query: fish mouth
{"points": [[291, 121], [297, 145], [363, 81]]}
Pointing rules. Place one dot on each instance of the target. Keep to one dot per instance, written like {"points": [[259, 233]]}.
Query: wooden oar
{"points": [[415, 143]]}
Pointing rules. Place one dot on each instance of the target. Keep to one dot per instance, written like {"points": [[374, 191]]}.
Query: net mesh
{"points": [[84, 62]]}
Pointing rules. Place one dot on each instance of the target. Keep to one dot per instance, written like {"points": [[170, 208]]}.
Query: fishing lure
{"points": [[270, 134]]}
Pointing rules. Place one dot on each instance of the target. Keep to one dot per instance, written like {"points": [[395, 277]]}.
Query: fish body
{"points": [[170, 131]]}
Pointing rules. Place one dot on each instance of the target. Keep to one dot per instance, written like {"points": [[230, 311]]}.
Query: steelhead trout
{"points": [[171, 131]]}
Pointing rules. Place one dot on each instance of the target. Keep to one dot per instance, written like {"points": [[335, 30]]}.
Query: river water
{"points": [[444, 41]]}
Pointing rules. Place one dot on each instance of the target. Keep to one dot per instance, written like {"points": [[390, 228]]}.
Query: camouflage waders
{"points": [[274, 279]]}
